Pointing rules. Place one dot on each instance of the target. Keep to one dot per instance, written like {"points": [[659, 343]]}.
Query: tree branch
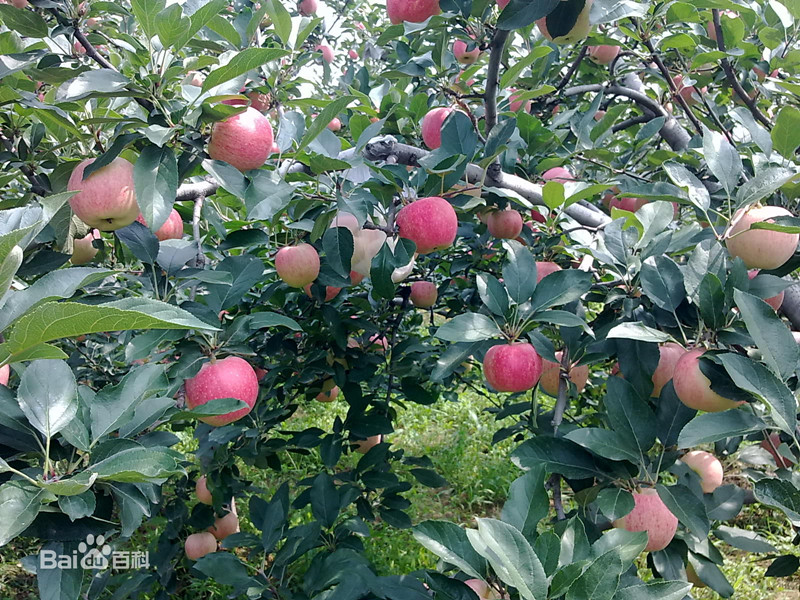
{"points": [[573, 67], [496, 48], [36, 186]]}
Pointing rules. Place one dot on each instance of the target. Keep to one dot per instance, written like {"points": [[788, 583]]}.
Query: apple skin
{"points": [[413, 11], [559, 174], [551, 372], [5, 373], [694, 389], [579, 30], [603, 55], [329, 391], [201, 491], [464, 56], [760, 248], [243, 141], [364, 446], [544, 268], [687, 92], [431, 223], [259, 100], [504, 224], [775, 301], [307, 7], [669, 355], [231, 377], [629, 204], [335, 124], [432, 126], [515, 102], [172, 229], [106, 200], [297, 265], [225, 526], [650, 514], [502, 3], [83, 251], [512, 367], [780, 460], [712, 31], [480, 587], [327, 52], [197, 545], [707, 467], [330, 292], [423, 294]]}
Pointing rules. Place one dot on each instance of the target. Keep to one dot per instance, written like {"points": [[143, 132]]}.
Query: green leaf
{"points": [[27, 23], [380, 272], [78, 507], [142, 242], [600, 580], [604, 442], [629, 414], [8, 268], [561, 287], [655, 590], [281, 19], [268, 319], [557, 455], [765, 183], [244, 61], [511, 74], [519, 272], [95, 81], [493, 294], [746, 540], [324, 500], [527, 502], [723, 160], [139, 465], [521, 13], [146, 13], [786, 132], [469, 327], [712, 427], [711, 301], [170, 24], [19, 504], [458, 135], [59, 584], [48, 395], [684, 178], [770, 334], [662, 282], [224, 568], [337, 243], [615, 502], [638, 331], [321, 122], [781, 494], [198, 20], [690, 510], [155, 177], [449, 542], [70, 486]]}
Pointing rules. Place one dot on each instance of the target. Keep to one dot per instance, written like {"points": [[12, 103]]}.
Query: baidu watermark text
{"points": [[94, 554]]}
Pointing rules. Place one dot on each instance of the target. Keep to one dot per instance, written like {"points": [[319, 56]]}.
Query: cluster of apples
{"points": [[197, 545]]}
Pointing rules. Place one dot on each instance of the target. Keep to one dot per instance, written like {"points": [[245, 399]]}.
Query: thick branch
{"points": [[493, 77], [573, 67], [192, 191]]}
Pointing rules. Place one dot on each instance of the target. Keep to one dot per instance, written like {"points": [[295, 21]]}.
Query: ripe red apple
{"points": [[775, 301], [335, 124], [364, 446], [515, 102], [464, 56], [629, 204], [650, 514], [551, 373], [225, 526], [688, 92], [431, 223], [231, 377], [502, 3], [598, 116], [352, 54], [544, 268], [243, 141], [579, 30], [559, 174], [195, 78], [707, 467], [603, 55], [106, 200], [260, 372], [259, 100], [514, 367], [307, 7], [760, 248], [83, 251], [423, 294], [327, 52], [201, 491], [329, 391], [694, 389], [669, 355], [330, 292], [480, 587], [432, 126], [5, 373], [172, 229], [197, 545], [780, 459], [761, 75], [504, 224], [413, 11], [297, 265]]}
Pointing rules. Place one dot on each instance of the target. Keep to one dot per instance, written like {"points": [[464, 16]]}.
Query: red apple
{"points": [[259, 100], [364, 446], [504, 224], [327, 52], [760, 248], [83, 250], [502, 3], [694, 389], [598, 116], [413, 11], [514, 367], [106, 200], [650, 514], [335, 124], [307, 7], [780, 459], [330, 292], [579, 30], [260, 372], [432, 126], [197, 545], [629, 204], [201, 491], [515, 102], [329, 391], [559, 174], [5, 373], [172, 229], [603, 55], [194, 78], [431, 223], [688, 92], [464, 56], [225, 526], [480, 587], [423, 294], [231, 377], [712, 31], [775, 301], [297, 265], [544, 268], [243, 141], [669, 355], [551, 373], [352, 54], [707, 467]]}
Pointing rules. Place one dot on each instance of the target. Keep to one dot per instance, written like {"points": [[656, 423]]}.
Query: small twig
{"points": [[405, 293], [36, 185], [496, 48], [573, 67], [196, 214], [555, 485], [632, 122], [561, 401], [384, 228]]}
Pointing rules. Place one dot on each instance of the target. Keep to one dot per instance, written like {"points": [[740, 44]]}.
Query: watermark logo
{"points": [[94, 554]]}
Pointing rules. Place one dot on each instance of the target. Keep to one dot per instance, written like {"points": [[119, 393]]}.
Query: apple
{"points": [[761, 75], [335, 124], [413, 11], [197, 545], [694, 389], [760, 248], [259, 100], [580, 29], [307, 7], [431, 223], [712, 31], [172, 229], [544, 268], [504, 224], [559, 174], [514, 367], [432, 126], [423, 294], [297, 265], [515, 102], [775, 301], [366, 244], [329, 391], [650, 514], [330, 292], [780, 459], [502, 3], [231, 377], [327, 52], [629, 204], [243, 141], [106, 200], [464, 56], [5, 373], [598, 116], [707, 467], [603, 55], [352, 54], [83, 250], [225, 526], [260, 372], [364, 446], [480, 587], [201, 491], [688, 92], [669, 355], [551, 373], [194, 78]]}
